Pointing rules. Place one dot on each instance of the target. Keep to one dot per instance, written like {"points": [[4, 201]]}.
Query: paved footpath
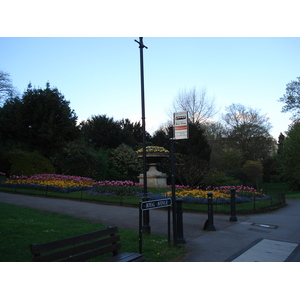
{"points": [[272, 236]]}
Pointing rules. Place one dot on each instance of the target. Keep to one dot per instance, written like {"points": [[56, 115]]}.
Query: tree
{"points": [[131, 133], [254, 171], [292, 98], [198, 104], [39, 121], [196, 144], [215, 134], [101, 132], [6, 88], [77, 159], [125, 162], [11, 135], [281, 139], [190, 170], [192, 155], [289, 159], [161, 137], [248, 132]]}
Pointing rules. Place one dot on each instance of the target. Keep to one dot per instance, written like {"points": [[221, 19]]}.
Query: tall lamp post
{"points": [[146, 215]]}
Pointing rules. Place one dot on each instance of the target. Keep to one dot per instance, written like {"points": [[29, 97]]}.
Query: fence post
{"points": [[271, 204], [233, 217]]}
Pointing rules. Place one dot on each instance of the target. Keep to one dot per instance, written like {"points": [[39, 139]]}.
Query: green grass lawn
{"points": [[279, 187], [21, 226]]}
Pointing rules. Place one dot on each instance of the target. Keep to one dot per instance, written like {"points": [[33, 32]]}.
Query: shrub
{"points": [[216, 178], [289, 159], [28, 163], [254, 171], [80, 160], [125, 162]]}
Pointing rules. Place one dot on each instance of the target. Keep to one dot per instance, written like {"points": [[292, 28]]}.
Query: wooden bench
{"points": [[84, 247]]}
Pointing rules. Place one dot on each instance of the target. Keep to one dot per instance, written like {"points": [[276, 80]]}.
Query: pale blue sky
{"points": [[102, 75]]}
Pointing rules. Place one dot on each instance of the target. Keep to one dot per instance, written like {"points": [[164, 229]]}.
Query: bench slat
{"points": [[92, 254], [39, 248], [84, 247], [61, 254]]}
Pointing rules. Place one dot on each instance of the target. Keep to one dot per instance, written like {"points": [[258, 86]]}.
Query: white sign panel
{"points": [[181, 129], [152, 204]]}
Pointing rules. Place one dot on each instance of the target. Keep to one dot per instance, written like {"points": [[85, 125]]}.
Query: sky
{"points": [[240, 51], [101, 75]]}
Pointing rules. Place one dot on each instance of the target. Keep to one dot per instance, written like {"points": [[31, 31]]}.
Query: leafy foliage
{"points": [[192, 155], [217, 178], [125, 162], [40, 121], [28, 163], [248, 132], [289, 159], [292, 98], [253, 170], [101, 132], [190, 170], [76, 158]]}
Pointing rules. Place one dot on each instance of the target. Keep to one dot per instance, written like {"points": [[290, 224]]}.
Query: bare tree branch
{"points": [[199, 105], [6, 87]]}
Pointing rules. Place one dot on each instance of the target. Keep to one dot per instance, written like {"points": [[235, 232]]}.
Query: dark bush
{"points": [[77, 159], [28, 163]]}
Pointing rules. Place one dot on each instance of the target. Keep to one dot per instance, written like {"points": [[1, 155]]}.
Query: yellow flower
{"points": [[198, 194]]}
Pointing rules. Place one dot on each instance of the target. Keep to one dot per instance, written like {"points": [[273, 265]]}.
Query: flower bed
{"points": [[67, 184], [153, 149], [221, 195], [51, 182], [128, 192], [116, 188]]}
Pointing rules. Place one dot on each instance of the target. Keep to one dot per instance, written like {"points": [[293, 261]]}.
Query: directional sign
{"points": [[152, 204]]}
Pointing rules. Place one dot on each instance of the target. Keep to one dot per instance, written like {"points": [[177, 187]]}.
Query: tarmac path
{"points": [[272, 236]]}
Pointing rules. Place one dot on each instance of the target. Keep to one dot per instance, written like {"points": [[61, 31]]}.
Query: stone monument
{"points": [[154, 155]]}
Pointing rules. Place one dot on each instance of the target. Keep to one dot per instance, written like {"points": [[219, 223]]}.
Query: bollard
{"points": [[180, 239], [210, 226], [233, 217]]}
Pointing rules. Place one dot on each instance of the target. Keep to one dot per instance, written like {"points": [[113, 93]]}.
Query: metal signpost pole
{"points": [[140, 229], [146, 216], [179, 131], [174, 216]]}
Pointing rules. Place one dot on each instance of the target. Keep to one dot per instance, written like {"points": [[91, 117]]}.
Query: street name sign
{"points": [[152, 204]]}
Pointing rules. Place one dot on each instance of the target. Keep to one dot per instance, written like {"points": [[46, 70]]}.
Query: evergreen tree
{"points": [[39, 121], [289, 159], [101, 132]]}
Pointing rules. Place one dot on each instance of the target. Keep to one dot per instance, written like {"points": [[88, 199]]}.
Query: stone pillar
{"points": [[155, 178]]}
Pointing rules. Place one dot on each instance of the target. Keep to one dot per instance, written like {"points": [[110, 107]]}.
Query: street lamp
{"points": [[146, 215]]}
